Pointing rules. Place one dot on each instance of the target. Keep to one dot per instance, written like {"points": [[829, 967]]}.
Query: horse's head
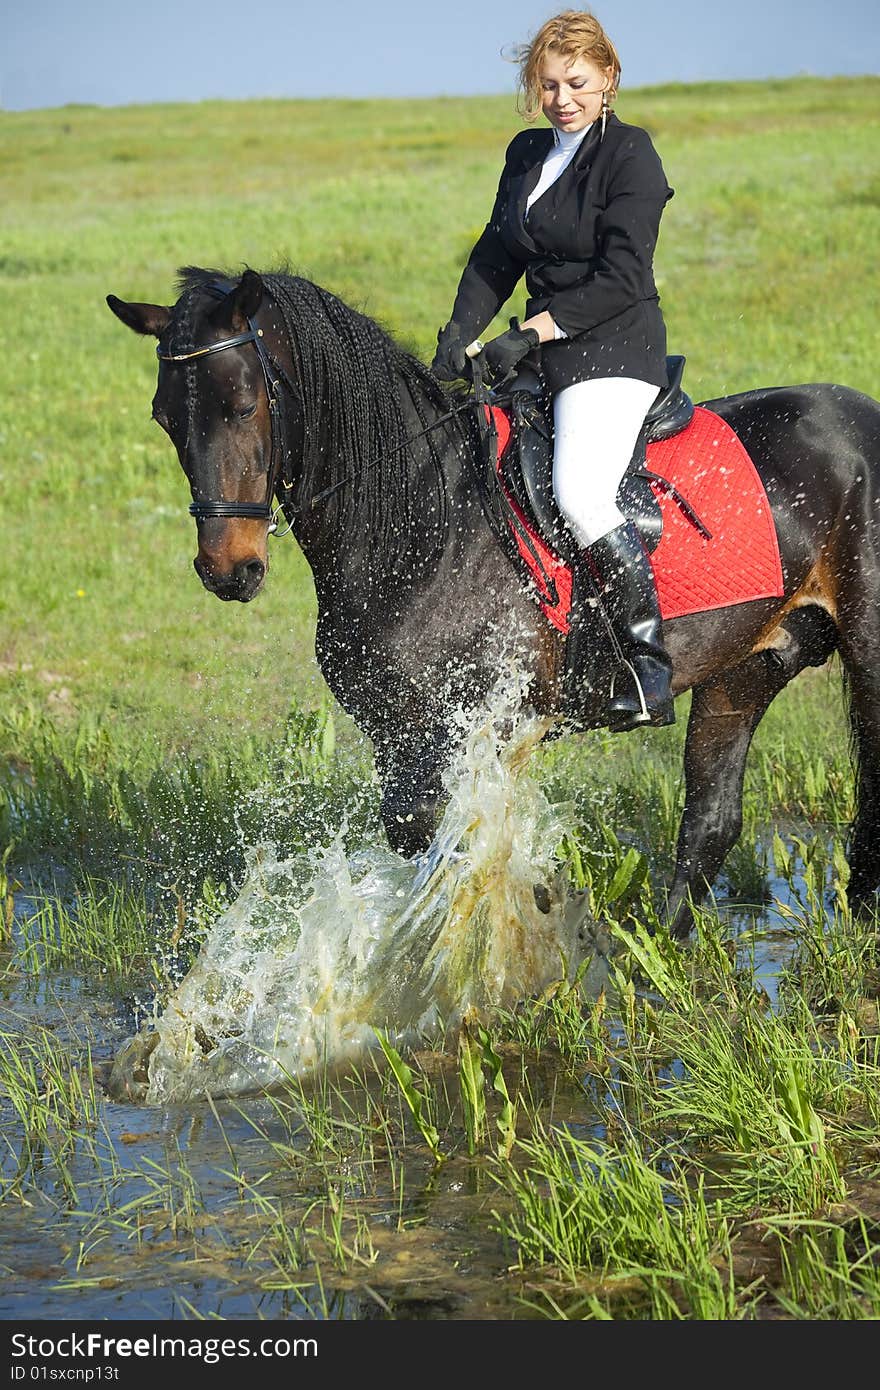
{"points": [[214, 400]]}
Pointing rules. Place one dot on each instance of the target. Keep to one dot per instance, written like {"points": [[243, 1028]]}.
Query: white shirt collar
{"points": [[570, 139]]}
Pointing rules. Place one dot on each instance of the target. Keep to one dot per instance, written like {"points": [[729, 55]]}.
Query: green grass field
{"points": [[767, 268], [149, 732]]}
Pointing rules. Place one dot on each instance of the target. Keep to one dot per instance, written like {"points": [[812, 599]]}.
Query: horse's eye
{"points": [[246, 413]]}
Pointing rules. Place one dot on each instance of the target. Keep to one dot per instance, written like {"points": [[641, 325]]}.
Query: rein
{"points": [[480, 397]]}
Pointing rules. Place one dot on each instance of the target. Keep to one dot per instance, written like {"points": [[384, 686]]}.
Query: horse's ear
{"points": [[245, 299], [142, 318]]}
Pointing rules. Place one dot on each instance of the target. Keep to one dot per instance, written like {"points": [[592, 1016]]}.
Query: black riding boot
{"points": [[641, 693]]}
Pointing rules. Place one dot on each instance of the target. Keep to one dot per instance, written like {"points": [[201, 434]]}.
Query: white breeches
{"points": [[596, 425]]}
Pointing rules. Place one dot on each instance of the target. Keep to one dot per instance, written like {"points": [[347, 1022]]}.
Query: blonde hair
{"points": [[573, 34]]}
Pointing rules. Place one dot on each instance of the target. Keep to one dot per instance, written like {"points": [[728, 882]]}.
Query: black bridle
{"points": [[275, 378]]}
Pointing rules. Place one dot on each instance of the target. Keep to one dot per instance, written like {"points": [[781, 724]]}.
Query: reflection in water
{"points": [[319, 951]]}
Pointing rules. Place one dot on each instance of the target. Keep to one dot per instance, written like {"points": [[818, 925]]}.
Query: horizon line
{"points": [[673, 83]]}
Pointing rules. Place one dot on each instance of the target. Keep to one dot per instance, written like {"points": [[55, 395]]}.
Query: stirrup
{"points": [[643, 714], [621, 721]]}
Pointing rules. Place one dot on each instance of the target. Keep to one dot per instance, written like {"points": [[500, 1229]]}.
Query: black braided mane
{"points": [[352, 376]]}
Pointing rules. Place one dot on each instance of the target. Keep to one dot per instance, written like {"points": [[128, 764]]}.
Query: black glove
{"points": [[449, 360], [503, 353]]}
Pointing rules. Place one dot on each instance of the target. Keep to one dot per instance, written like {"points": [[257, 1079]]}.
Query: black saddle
{"points": [[528, 464]]}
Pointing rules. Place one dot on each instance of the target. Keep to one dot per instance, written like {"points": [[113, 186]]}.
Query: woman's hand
{"points": [[450, 362], [503, 353]]}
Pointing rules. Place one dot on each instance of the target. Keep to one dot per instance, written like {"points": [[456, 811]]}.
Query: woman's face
{"points": [[572, 91]]}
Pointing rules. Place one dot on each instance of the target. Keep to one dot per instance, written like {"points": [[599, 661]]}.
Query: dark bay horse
{"points": [[272, 388]]}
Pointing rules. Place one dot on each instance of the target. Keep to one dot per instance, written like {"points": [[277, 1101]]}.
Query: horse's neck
{"points": [[342, 567]]}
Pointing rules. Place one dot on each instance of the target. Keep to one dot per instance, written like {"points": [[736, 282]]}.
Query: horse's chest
{"points": [[432, 643]]}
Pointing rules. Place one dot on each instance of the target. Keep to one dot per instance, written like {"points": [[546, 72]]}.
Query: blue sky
{"points": [[113, 52]]}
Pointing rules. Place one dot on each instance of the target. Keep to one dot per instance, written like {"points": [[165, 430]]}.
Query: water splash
{"points": [[318, 951]]}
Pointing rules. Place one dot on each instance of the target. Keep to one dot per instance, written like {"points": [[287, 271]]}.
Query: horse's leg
{"points": [[860, 654], [863, 849], [411, 774], [724, 716]]}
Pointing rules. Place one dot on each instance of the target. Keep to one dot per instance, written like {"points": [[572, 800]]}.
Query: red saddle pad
{"points": [[709, 466]]}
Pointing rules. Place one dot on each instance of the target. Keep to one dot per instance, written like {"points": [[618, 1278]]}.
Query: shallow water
{"points": [[153, 1226], [161, 1204]]}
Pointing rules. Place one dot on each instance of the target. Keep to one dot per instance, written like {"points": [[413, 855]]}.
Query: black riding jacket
{"points": [[586, 248]]}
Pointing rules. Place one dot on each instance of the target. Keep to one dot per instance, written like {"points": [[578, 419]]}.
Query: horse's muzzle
{"points": [[242, 583]]}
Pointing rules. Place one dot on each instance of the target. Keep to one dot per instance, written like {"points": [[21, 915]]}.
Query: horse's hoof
{"points": [[543, 900], [129, 1076]]}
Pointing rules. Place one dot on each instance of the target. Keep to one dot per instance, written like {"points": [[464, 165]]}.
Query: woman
{"points": [[578, 211]]}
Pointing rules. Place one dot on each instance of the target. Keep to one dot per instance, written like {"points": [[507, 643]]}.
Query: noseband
{"points": [[274, 379]]}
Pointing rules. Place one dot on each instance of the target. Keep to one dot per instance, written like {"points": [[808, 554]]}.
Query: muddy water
{"points": [[165, 1205], [160, 1204]]}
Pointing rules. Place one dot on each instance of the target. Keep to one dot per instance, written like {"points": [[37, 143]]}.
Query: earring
{"points": [[606, 107]]}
